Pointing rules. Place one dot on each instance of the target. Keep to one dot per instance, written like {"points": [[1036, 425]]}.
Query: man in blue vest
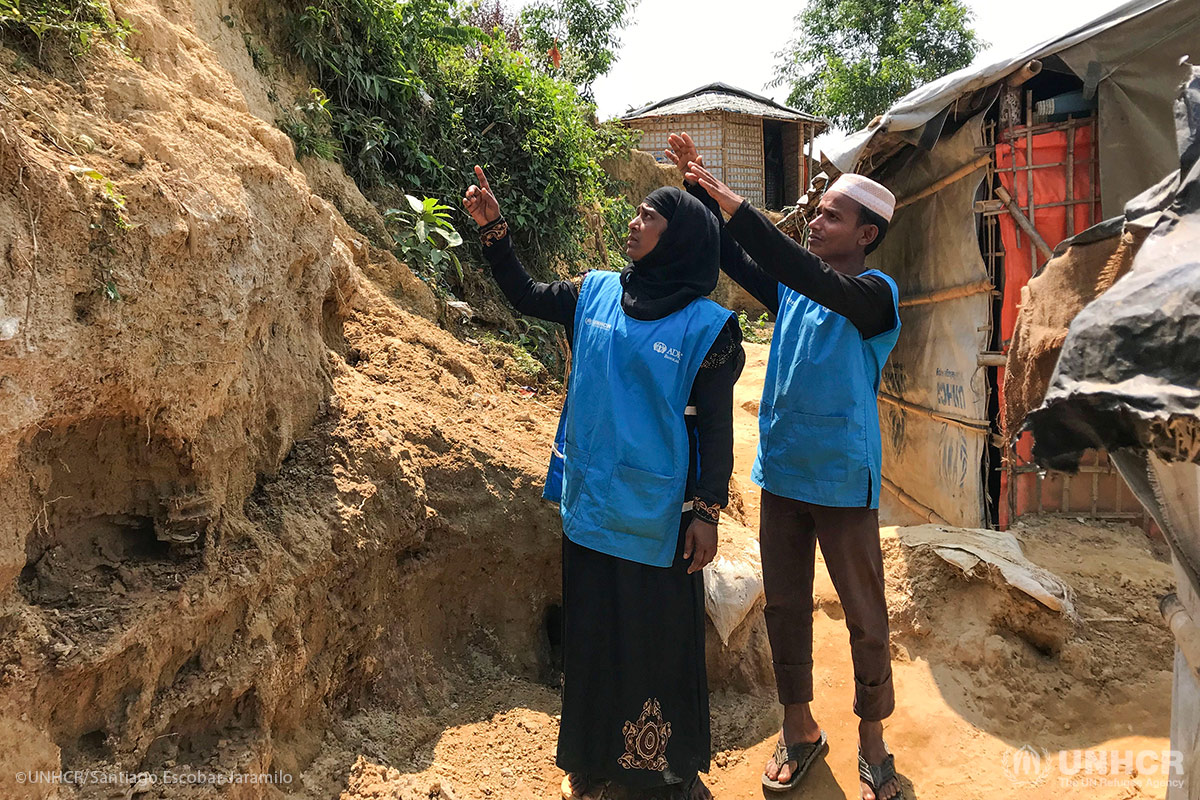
{"points": [[819, 449]]}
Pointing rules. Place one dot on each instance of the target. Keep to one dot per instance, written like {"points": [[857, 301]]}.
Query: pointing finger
{"points": [[483, 181]]}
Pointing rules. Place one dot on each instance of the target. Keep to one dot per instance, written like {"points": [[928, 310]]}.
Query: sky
{"points": [[676, 45]]}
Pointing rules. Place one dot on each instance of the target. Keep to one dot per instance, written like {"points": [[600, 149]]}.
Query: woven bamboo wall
{"points": [[743, 157], [705, 129], [793, 160], [732, 147]]}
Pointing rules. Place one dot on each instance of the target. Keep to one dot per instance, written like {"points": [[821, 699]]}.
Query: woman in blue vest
{"points": [[643, 458], [819, 449]]}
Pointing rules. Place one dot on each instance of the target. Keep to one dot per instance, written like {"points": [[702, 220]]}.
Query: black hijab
{"points": [[683, 265]]}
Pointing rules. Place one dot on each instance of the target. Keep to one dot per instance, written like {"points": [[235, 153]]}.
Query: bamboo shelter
{"points": [[993, 166], [761, 149]]}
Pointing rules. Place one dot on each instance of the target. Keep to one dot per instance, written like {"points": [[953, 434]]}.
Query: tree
{"points": [[851, 59], [583, 31], [490, 15]]}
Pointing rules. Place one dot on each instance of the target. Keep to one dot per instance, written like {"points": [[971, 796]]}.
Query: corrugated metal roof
{"points": [[723, 97]]}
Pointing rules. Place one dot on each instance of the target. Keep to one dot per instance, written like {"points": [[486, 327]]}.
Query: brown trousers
{"points": [[788, 533]]}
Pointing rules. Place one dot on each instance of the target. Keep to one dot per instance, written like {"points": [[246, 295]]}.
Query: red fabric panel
{"points": [[1049, 186]]}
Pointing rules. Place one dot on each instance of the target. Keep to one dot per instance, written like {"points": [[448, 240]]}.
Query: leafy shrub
{"points": [[758, 331], [310, 127], [418, 96], [77, 24], [425, 237]]}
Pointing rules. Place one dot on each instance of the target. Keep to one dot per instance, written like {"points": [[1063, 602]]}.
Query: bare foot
{"points": [[798, 726], [575, 785], [870, 741]]}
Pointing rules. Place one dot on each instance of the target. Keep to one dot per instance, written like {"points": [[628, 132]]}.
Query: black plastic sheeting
{"points": [[1129, 373]]}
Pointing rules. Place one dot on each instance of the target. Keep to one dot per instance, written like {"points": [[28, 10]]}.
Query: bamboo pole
{"points": [[992, 360], [1026, 72], [1093, 170], [942, 183], [1029, 181], [987, 212], [803, 160], [1071, 180], [976, 425], [812, 138], [1024, 224], [913, 504], [951, 293]]}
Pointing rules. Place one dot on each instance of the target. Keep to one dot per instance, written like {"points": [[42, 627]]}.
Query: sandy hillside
{"points": [[251, 484]]}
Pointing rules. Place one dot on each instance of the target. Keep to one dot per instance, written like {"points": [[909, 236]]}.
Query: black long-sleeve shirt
{"points": [[758, 257], [710, 431]]}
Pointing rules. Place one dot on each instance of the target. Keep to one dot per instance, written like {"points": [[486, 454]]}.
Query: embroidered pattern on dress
{"points": [[714, 360], [494, 232], [646, 740], [706, 512]]}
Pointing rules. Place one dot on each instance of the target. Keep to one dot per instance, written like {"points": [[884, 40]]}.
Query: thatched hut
{"points": [[761, 149]]}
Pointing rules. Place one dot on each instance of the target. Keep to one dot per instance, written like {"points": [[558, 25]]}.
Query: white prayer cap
{"points": [[866, 192]]}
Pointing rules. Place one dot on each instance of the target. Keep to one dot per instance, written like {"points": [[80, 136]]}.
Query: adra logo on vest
{"points": [[669, 353]]}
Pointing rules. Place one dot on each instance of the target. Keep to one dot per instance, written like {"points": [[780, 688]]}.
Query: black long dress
{"points": [[635, 691]]}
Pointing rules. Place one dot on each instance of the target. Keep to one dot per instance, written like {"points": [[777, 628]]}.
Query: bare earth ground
{"points": [[970, 690]]}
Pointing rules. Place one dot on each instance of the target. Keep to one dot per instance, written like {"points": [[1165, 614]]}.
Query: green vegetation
{"points": [[413, 96], [851, 59], [106, 225], [310, 127], [522, 363], [583, 32], [758, 331], [75, 24], [417, 96], [424, 237]]}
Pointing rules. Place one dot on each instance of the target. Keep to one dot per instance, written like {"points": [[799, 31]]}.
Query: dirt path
{"points": [[970, 690]]}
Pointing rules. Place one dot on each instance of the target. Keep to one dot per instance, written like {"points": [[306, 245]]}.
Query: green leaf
{"points": [[415, 204], [419, 230], [86, 172], [452, 237]]}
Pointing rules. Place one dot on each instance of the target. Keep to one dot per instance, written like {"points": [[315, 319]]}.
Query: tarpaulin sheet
{"points": [[1135, 70], [1129, 379], [1128, 56], [1129, 374], [933, 404]]}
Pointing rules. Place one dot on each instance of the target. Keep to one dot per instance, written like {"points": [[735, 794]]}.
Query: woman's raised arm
{"points": [[554, 302]]}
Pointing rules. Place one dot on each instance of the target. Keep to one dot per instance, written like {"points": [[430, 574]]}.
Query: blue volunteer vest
{"points": [[818, 421], [621, 452]]}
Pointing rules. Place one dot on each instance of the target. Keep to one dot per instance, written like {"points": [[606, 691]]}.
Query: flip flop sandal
{"points": [[803, 753], [876, 775]]}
